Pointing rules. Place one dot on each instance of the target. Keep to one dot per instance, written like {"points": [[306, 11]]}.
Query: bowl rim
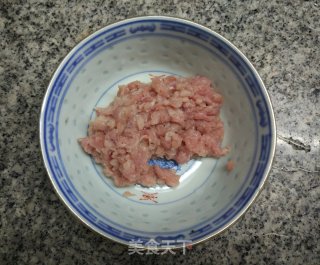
{"points": [[265, 93]]}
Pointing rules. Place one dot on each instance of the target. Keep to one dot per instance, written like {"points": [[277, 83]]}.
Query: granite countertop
{"points": [[281, 38]]}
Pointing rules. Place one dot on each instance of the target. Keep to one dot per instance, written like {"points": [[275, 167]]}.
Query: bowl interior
{"points": [[209, 197]]}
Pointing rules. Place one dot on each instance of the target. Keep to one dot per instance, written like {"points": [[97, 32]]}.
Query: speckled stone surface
{"points": [[281, 38]]}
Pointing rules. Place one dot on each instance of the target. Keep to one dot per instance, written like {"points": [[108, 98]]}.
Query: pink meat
{"points": [[174, 118]]}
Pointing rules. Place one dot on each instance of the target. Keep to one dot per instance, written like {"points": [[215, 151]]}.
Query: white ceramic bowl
{"points": [[208, 199]]}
